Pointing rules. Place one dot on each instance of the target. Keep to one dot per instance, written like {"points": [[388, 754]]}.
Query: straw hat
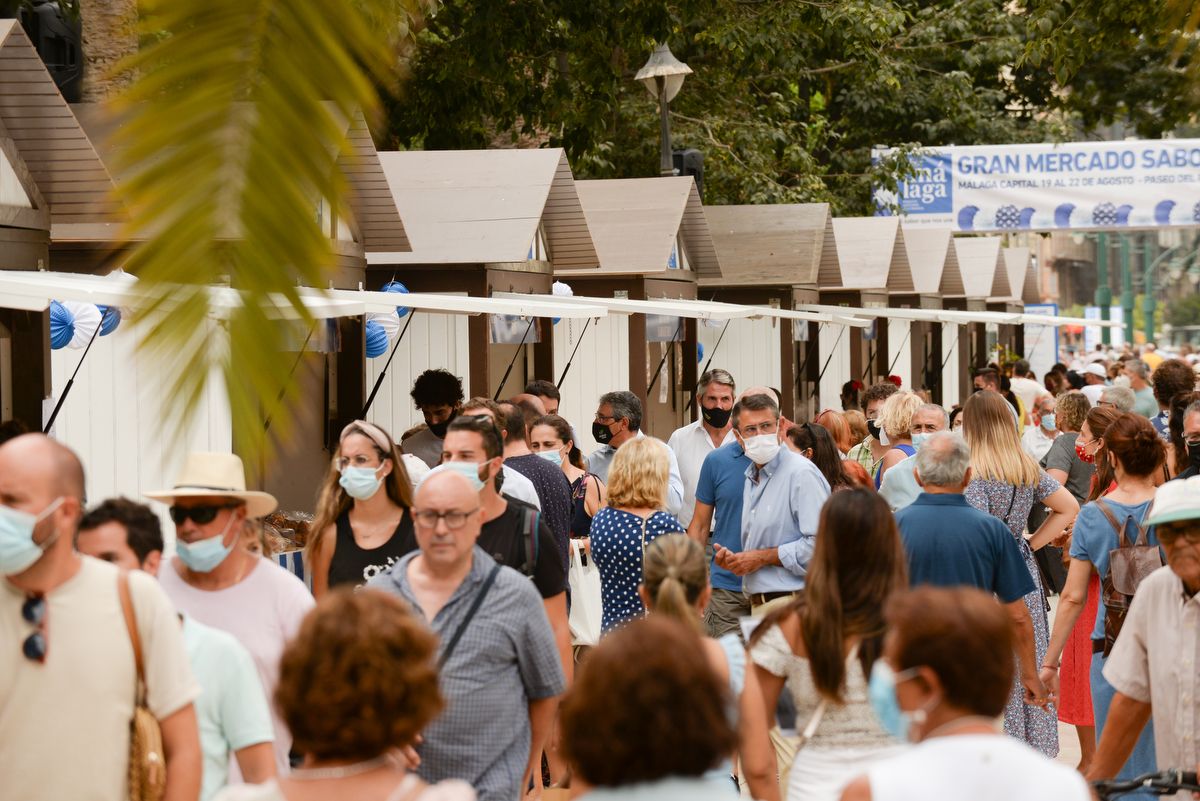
{"points": [[217, 475]]}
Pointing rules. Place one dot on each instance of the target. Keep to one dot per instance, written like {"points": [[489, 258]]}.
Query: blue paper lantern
{"points": [[110, 318], [396, 286], [699, 353], [377, 339], [62, 325]]}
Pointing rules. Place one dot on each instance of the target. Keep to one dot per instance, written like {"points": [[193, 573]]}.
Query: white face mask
{"points": [[762, 448]]}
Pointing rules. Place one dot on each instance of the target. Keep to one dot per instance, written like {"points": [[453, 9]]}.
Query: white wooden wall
{"points": [[116, 420], [953, 338], [835, 340], [899, 338], [432, 341], [601, 365], [750, 351]]}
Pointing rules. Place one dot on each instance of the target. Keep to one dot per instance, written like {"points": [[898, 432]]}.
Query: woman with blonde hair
{"points": [[1006, 482], [675, 584], [359, 531], [895, 421], [637, 493]]}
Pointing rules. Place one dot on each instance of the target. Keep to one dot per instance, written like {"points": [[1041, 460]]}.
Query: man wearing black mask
{"points": [[618, 420], [1191, 440], [869, 453], [696, 440], [438, 394]]}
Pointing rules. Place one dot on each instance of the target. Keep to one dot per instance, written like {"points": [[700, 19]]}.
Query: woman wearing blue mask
{"points": [[550, 437], [362, 521], [942, 682]]}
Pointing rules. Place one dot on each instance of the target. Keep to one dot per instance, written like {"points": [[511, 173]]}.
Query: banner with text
{"points": [[1081, 185]]}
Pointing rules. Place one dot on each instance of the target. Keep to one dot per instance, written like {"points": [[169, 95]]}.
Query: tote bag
{"points": [[586, 606]]}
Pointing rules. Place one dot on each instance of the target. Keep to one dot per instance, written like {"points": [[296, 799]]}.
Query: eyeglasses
{"points": [[604, 418], [34, 612], [360, 460], [202, 515], [1169, 537], [761, 428], [454, 519]]}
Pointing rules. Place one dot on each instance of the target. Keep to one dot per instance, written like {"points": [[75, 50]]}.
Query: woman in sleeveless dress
{"points": [[824, 644], [551, 435], [1006, 483], [675, 584], [895, 420], [356, 687], [362, 525]]}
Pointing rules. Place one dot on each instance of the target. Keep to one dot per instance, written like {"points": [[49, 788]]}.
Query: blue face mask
{"points": [[18, 551], [203, 556], [920, 439], [1048, 421], [881, 693], [360, 483], [553, 457], [468, 470]]}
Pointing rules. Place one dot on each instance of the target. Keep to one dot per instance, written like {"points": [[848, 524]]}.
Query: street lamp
{"points": [[663, 77]]}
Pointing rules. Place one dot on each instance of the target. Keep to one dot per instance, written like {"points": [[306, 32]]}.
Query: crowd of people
{"points": [[852, 607]]}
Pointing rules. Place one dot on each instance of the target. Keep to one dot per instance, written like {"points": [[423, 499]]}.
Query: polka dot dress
{"points": [[617, 545]]}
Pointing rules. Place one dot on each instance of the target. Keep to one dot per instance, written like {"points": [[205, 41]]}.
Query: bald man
{"points": [[67, 673], [500, 671]]}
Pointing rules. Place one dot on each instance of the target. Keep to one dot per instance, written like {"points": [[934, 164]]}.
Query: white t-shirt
{"points": [[263, 612], [1093, 392], [1028, 391], [980, 767], [64, 724], [691, 444], [232, 710]]}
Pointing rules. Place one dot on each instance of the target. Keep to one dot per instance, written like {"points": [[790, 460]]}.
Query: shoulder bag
{"points": [[147, 760]]}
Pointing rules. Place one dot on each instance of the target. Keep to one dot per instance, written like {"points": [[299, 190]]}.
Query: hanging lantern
{"points": [[560, 290], [377, 339], [110, 318], [389, 320], [396, 286], [699, 353]]}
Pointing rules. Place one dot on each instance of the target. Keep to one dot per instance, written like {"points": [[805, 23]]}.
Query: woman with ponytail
{"points": [[675, 584], [825, 643]]}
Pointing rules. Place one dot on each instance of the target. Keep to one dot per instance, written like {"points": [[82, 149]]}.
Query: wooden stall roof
{"points": [[1016, 266], [635, 221], [1031, 292], [864, 253], [485, 206], [767, 244], [60, 157], [983, 272], [951, 285], [927, 250]]}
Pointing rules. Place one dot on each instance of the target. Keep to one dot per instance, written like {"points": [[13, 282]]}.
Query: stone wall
{"points": [[109, 34]]}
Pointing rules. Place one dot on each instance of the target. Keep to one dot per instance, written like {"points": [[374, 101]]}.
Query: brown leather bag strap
{"points": [[131, 624], [1122, 542]]}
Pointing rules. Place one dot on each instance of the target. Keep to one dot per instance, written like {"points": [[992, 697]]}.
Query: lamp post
{"points": [[663, 76]]}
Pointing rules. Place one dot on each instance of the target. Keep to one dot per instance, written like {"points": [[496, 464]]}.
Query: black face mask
{"points": [[1193, 451], [601, 432], [717, 418], [873, 429], [439, 429]]}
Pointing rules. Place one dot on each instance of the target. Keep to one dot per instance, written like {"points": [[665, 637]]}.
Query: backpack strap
{"points": [[529, 523], [1102, 505], [135, 638], [1142, 536]]}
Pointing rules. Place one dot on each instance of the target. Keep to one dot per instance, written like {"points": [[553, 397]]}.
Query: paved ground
{"points": [[1068, 742]]}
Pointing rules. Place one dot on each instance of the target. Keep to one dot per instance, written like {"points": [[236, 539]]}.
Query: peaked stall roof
{"points": [[927, 250], [767, 244], [486, 206], [864, 253], [1031, 292], [635, 223], [1016, 267], [54, 147], [983, 272]]}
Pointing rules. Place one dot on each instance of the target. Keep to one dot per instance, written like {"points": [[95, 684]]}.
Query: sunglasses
{"points": [[202, 515], [1170, 537], [34, 612]]}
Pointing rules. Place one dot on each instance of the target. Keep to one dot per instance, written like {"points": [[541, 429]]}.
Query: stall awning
{"points": [[704, 310], [957, 317], [512, 304]]}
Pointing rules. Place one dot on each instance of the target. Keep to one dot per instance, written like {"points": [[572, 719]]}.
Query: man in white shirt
{"points": [[1155, 664], [1095, 379], [67, 673], [1026, 387], [696, 440], [1040, 436]]}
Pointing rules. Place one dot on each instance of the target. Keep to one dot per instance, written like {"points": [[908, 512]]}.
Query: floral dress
{"points": [[619, 540], [1038, 728]]}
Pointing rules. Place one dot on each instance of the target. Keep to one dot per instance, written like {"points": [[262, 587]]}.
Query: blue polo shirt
{"points": [[950, 543], [722, 480]]}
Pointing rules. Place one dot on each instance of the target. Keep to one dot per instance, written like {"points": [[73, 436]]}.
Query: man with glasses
{"points": [[217, 581], [1191, 440], [781, 504], [67, 673], [499, 672], [619, 420], [1155, 663]]}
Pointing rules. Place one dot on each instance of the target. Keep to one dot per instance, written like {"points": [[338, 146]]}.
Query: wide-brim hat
{"points": [[1176, 500], [216, 475]]}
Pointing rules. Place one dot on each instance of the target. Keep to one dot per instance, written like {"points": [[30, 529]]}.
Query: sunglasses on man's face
{"points": [[202, 515], [34, 612]]}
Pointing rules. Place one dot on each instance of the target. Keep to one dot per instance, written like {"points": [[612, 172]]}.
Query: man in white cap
{"points": [[1155, 663], [216, 581], [1095, 379]]}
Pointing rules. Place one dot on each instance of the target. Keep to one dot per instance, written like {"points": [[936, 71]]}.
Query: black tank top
{"points": [[356, 566]]}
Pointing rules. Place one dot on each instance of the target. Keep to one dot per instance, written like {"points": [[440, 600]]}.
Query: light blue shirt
{"points": [[231, 711], [600, 460], [781, 505], [900, 487]]}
